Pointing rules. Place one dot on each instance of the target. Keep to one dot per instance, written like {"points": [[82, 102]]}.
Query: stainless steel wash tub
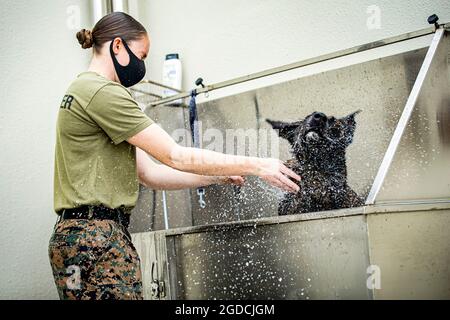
{"points": [[396, 246]]}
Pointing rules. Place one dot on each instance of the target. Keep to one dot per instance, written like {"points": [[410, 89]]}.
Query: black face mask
{"points": [[132, 73]]}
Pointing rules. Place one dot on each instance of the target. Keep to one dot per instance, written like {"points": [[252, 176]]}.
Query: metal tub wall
{"points": [[379, 87], [420, 168], [412, 251], [303, 260], [233, 118], [313, 256]]}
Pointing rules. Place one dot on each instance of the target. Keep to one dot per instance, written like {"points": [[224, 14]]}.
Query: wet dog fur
{"points": [[318, 144]]}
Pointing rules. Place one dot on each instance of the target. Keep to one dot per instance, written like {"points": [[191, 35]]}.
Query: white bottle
{"points": [[172, 76]]}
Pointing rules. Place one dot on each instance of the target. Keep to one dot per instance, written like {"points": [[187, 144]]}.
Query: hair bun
{"points": [[85, 38]]}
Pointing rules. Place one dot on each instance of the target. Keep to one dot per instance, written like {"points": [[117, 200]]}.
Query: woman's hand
{"points": [[274, 172]]}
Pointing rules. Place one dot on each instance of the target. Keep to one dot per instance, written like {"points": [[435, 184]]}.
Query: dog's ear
{"points": [[350, 126], [285, 129], [350, 119]]}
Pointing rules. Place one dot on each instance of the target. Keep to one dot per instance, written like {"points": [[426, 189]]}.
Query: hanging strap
{"points": [[193, 119], [193, 122]]}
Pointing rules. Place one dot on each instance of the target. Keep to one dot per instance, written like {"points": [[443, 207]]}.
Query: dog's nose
{"points": [[319, 116], [318, 119]]}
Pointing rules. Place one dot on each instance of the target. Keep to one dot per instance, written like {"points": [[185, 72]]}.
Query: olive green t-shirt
{"points": [[93, 163]]}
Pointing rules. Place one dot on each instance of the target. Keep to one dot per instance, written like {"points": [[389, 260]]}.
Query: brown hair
{"points": [[116, 24]]}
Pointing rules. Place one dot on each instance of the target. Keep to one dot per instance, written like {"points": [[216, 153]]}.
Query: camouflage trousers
{"points": [[94, 259]]}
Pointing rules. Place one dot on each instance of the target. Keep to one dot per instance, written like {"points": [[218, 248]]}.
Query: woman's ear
{"points": [[120, 52], [116, 44]]}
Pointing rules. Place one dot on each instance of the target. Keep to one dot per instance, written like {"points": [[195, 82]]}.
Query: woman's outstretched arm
{"points": [[162, 177], [160, 145]]}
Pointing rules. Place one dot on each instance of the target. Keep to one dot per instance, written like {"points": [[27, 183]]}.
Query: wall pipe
{"points": [[101, 8], [119, 5]]}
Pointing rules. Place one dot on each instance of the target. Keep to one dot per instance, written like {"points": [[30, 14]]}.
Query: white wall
{"points": [[217, 40], [38, 59], [220, 40]]}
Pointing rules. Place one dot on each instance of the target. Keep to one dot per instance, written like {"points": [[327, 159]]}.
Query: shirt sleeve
{"points": [[117, 113]]}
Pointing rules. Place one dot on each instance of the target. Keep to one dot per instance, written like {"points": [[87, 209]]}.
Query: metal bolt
{"points": [[199, 82], [433, 19]]}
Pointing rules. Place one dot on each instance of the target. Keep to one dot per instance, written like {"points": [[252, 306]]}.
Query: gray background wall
{"points": [[216, 40]]}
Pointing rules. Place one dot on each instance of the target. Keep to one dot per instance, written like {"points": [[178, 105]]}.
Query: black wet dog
{"points": [[318, 144]]}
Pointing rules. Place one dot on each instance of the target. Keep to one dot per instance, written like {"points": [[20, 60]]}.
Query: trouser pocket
{"points": [[94, 259], [74, 249]]}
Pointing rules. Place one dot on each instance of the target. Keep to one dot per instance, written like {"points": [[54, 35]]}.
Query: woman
{"points": [[103, 139]]}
